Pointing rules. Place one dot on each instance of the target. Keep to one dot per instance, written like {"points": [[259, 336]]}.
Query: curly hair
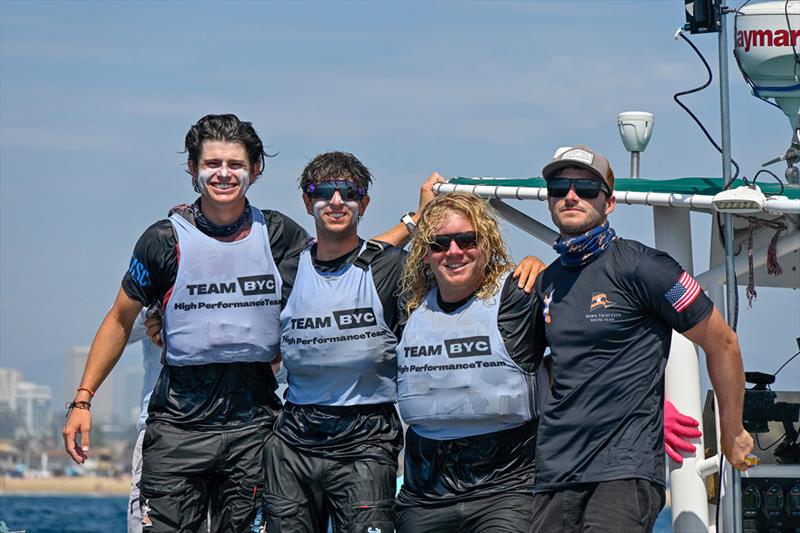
{"points": [[417, 278]]}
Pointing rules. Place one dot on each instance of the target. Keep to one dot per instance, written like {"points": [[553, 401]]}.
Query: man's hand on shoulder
{"points": [[526, 272]]}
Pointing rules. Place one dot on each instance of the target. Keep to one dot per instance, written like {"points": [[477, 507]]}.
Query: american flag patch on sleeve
{"points": [[683, 293]]}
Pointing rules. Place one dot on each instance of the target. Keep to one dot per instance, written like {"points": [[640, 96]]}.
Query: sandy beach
{"points": [[66, 485]]}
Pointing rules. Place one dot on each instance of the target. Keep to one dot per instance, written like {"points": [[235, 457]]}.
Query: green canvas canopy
{"points": [[696, 185]]}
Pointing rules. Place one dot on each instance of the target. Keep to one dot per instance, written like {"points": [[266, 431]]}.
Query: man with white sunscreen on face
{"points": [[334, 451], [215, 268]]}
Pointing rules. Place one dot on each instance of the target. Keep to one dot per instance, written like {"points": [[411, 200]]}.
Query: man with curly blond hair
{"points": [[466, 378]]}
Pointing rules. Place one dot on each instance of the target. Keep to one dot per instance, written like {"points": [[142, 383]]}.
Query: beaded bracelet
{"points": [[91, 392]]}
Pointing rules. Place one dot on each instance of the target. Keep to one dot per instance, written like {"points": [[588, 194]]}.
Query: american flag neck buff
{"points": [[583, 249]]}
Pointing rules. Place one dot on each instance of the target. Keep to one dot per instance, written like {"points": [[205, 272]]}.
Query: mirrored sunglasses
{"points": [[348, 190], [465, 241], [588, 189]]}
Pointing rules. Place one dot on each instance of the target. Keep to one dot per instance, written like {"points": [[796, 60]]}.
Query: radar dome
{"points": [[767, 45]]}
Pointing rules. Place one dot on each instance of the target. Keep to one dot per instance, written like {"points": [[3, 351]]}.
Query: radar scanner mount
{"points": [[767, 50]]}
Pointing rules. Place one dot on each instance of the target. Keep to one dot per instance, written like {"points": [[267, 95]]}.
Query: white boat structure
{"points": [[758, 225]]}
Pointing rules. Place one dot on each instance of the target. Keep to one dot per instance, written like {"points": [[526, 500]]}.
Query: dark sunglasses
{"points": [[348, 190], [465, 241], [584, 188]]}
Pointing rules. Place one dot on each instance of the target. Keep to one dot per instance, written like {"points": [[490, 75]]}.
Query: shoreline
{"points": [[65, 486]]}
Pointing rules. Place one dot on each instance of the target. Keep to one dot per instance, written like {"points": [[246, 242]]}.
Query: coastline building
{"points": [[130, 392], [34, 409], [103, 401], [9, 378]]}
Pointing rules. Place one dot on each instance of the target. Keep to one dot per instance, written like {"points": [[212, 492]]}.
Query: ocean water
{"points": [[100, 514], [65, 514]]}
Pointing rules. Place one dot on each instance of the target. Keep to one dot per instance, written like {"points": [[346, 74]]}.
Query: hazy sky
{"points": [[96, 97]]}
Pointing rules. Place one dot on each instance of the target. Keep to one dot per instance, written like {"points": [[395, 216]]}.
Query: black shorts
{"points": [[497, 513], [622, 506], [187, 475], [302, 491]]}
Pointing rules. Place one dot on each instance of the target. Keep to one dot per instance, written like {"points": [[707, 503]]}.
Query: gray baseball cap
{"points": [[581, 156]]}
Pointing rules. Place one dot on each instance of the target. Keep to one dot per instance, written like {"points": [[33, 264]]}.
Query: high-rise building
{"points": [[34, 409], [9, 377], [103, 401], [130, 394]]}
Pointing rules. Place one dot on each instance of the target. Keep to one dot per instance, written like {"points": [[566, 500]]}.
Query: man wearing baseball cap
{"points": [[610, 305]]}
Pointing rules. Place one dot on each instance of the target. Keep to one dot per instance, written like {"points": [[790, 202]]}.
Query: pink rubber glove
{"points": [[676, 427]]}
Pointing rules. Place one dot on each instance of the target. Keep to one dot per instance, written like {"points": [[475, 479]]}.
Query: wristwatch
{"points": [[409, 222]]}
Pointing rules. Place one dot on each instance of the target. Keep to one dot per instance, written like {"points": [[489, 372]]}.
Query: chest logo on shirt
{"points": [[360, 317], [600, 301], [598, 304], [252, 285], [463, 347], [468, 347], [249, 285]]}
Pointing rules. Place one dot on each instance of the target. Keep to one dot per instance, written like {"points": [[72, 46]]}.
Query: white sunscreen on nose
{"points": [[352, 206], [241, 175]]}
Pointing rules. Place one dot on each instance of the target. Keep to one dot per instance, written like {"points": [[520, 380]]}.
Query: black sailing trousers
{"points": [[303, 491], [188, 475]]}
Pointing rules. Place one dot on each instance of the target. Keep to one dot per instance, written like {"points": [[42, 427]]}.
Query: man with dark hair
{"points": [[334, 450], [216, 268], [609, 307], [332, 166]]}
